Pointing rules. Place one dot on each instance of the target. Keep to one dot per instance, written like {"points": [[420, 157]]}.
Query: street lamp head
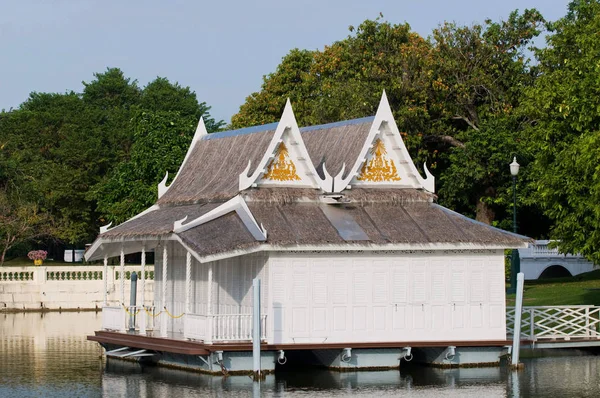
{"points": [[514, 167]]}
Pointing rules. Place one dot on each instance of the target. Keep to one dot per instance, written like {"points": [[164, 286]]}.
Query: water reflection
{"points": [[48, 355]]}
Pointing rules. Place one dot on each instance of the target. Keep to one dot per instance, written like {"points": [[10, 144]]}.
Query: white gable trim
{"points": [[287, 132], [385, 125], [236, 204], [200, 132]]}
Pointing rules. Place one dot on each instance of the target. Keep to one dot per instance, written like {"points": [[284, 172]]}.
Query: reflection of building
{"points": [[355, 257]]}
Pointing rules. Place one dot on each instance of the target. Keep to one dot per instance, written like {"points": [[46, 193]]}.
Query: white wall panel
{"points": [[435, 296], [400, 279]]}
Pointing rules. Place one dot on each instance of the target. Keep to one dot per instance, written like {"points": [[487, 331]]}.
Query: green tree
{"points": [[160, 143], [479, 73], [462, 84], [57, 159], [564, 105], [20, 222], [162, 95], [69, 154], [161, 128]]}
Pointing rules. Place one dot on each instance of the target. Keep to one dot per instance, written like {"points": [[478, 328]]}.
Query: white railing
{"points": [[221, 328], [143, 318], [195, 327], [541, 249], [556, 322], [43, 274], [113, 318]]}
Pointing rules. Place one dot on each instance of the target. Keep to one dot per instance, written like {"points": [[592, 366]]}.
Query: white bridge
{"points": [[541, 261]]}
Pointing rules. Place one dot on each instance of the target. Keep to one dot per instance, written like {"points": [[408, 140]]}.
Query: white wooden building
{"points": [[342, 230]]}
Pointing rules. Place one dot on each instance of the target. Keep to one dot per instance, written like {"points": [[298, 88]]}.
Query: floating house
{"points": [[360, 268]]}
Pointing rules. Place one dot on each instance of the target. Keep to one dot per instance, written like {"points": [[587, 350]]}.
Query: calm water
{"points": [[48, 356]]}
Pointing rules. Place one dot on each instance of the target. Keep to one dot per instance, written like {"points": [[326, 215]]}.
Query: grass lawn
{"points": [[582, 289]]}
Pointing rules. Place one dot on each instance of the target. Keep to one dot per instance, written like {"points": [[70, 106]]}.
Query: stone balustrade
{"points": [[66, 287]]}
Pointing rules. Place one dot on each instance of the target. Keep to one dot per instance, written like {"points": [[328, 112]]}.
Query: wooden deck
{"points": [[177, 345]]}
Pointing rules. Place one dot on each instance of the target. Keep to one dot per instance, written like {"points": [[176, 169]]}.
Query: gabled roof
{"points": [[216, 161], [218, 205]]}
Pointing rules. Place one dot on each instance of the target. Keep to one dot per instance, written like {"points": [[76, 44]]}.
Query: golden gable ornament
{"points": [[281, 168], [379, 168]]}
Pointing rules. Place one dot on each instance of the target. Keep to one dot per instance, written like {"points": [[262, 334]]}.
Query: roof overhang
{"points": [[112, 247]]}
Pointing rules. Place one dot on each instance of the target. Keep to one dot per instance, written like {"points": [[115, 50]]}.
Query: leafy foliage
{"points": [[161, 139], [453, 95], [19, 222], [68, 154], [565, 105]]}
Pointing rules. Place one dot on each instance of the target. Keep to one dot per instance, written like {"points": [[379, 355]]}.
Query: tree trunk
{"points": [[484, 212], [3, 256]]}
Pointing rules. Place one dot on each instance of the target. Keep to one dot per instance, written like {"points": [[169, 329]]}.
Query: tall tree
{"points": [[162, 128], [444, 91], [564, 104], [20, 222], [162, 95], [479, 74], [160, 143], [64, 153]]}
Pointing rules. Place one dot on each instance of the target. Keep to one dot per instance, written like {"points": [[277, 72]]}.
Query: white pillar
{"points": [[164, 315], [188, 282], [105, 280], [188, 289], [256, 328], [122, 276], [143, 315], [516, 346], [209, 332]]}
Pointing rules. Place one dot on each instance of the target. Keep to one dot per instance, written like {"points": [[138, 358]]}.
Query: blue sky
{"points": [[220, 49]]}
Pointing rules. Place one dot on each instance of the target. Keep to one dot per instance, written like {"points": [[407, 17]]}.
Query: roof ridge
{"points": [[272, 126]]}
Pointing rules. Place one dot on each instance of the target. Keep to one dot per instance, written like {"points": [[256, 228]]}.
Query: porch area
{"points": [[204, 302], [203, 328]]}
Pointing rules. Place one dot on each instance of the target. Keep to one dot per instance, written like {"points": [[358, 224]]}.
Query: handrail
{"points": [[221, 327], [556, 322]]}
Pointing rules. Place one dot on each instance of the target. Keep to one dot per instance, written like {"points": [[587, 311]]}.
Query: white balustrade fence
{"points": [[556, 322], [118, 318], [67, 286], [137, 313], [224, 327]]}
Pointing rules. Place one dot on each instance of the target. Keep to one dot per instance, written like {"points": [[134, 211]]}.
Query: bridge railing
{"points": [[541, 248], [556, 322]]}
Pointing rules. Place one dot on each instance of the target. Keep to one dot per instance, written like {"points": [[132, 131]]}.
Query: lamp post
{"points": [[515, 261]]}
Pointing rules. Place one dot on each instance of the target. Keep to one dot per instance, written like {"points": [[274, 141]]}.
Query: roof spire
{"points": [[286, 161], [384, 160]]}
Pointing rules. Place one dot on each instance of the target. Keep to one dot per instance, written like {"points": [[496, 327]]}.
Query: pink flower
{"points": [[37, 254]]}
